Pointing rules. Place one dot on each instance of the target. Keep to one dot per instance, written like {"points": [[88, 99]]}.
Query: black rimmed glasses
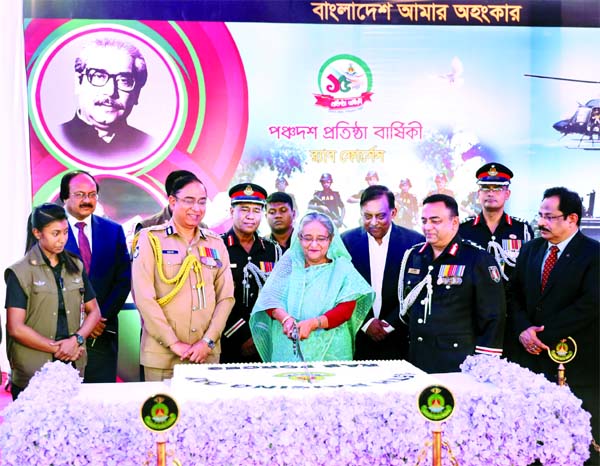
{"points": [[99, 78], [547, 217], [79, 195]]}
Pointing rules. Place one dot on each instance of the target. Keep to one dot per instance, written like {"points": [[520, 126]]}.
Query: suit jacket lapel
{"points": [[538, 259], [392, 263], [72, 242], [364, 260], [96, 241]]}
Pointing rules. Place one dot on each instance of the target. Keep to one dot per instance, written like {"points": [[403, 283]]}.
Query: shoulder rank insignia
{"points": [[209, 233], [471, 243], [518, 219]]}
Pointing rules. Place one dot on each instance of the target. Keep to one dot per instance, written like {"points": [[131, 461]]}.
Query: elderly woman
{"points": [[314, 290]]}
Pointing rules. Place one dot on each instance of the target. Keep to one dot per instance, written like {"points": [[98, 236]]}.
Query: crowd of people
{"points": [[307, 292]]}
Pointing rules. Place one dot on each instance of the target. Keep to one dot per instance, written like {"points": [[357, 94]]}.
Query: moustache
{"points": [[109, 102], [83, 206], [544, 229]]}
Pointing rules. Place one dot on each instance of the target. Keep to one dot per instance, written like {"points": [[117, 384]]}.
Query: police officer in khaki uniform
{"points": [[252, 259], [182, 285]]}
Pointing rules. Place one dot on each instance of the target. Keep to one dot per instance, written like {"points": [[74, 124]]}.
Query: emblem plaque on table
{"points": [[160, 413], [436, 404], [563, 352]]}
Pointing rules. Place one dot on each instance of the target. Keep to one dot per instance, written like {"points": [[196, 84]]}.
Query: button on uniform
{"points": [[419, 338]]}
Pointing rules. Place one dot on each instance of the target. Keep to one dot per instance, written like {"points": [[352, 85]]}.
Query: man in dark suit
{"points": [[555, 295], [101, 245], [377, 249]]}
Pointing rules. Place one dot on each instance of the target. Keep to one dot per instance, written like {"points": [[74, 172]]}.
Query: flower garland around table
{"points": [[520, 416]]}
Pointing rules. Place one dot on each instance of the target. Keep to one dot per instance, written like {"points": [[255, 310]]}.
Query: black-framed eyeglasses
{"points": [[81, 195], [547, 217], [99, 78]]}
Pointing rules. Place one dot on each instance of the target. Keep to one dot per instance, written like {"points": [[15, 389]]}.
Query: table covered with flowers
{"points": [[505, 415]]}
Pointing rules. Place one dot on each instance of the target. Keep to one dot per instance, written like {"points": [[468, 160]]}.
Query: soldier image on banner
{"points": [[252, 260], [328, 201], [406, 205]]}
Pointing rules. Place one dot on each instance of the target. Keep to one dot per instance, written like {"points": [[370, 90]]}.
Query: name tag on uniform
{"points": [[233, 266], [450, 274], [413, 270], [170, 251]]}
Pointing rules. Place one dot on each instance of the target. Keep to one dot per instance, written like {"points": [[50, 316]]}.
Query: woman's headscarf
{"points": [[306, 292]]}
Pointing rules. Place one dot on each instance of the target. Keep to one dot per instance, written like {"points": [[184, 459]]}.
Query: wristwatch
{"points": [[209, 342], [80, 339]]}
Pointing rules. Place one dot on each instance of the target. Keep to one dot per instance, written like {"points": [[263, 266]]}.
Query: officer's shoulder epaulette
{"points": [[519, 219], [468, 242], [268, 240], [161, 227], [210, 234], [468, 219], [418, 245]]}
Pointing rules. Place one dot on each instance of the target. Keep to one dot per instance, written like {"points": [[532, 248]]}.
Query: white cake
{"points": [[236, 381]]}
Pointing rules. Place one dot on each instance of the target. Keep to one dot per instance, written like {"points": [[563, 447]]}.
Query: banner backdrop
{"points": [[364, 103]]}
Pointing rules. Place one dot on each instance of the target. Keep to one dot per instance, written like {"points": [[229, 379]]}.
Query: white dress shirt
{"points": [[377, 258]]}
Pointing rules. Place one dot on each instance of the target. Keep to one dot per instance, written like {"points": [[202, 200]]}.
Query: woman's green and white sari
{"points": [[306, 292]]}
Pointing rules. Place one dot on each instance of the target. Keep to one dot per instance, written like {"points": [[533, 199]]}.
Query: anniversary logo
{"points": [[348, 82]]}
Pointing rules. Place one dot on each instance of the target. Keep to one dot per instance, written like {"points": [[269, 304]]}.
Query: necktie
{"points": [[549, 265], [84, 246]]}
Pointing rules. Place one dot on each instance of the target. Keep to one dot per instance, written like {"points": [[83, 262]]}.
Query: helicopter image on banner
{"points": [[585, 122]]}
